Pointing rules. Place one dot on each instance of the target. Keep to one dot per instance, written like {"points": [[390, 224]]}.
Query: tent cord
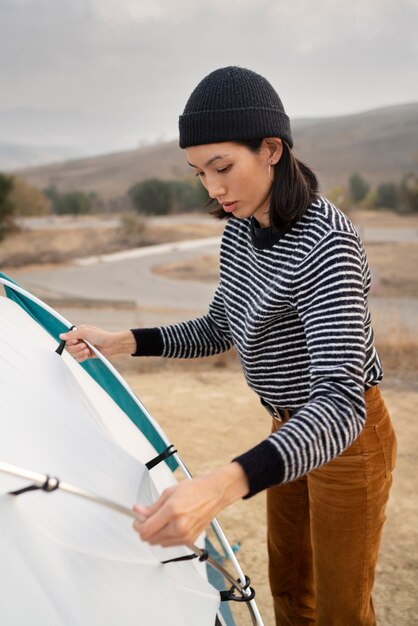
{"points": [[50, 484], [203, 557]]}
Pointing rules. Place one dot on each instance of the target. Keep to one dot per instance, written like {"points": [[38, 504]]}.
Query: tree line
{"points": [[149, 197], [157, 197], [401, 197]]}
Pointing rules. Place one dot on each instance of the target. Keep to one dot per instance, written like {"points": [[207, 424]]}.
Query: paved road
{"points": [[127, 277]]}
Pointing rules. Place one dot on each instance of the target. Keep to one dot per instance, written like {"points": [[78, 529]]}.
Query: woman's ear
{"points": [[274, 146]]}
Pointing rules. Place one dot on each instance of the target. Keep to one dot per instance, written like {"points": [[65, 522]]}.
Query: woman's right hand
{"points": [[108, 343]]}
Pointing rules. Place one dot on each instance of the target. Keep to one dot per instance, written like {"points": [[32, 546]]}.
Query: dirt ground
{"points": [[394, 268], [211, 415]]}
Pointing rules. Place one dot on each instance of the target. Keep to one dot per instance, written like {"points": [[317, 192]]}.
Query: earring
{"points": [[269, 174]]}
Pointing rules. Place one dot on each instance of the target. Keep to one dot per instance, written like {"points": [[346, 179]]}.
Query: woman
{"points": [[292, 300]]}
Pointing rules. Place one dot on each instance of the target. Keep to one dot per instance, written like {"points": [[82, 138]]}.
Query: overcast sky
{"points": [[133, 63]]}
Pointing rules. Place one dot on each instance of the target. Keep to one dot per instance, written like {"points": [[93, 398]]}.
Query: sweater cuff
{"points": [[149, 341], [263, 465]]}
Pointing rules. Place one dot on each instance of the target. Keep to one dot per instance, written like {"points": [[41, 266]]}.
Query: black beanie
{"points": [[233, 104]]}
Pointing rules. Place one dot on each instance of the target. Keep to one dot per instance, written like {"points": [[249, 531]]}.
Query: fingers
{"points": [[185, 510], [152, 523], [74, 334], [151, 520], [80, 351], [177, 517], [75, 343], [161, 529]]}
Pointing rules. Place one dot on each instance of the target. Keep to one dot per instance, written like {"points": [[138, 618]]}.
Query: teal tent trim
{"points": [[96, 368], [218, 581]]}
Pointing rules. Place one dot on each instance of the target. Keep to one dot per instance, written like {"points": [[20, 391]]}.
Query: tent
{"points": [[79, 433]]}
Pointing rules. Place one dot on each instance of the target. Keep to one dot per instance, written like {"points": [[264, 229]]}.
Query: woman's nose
{"points": [[216, 190]]}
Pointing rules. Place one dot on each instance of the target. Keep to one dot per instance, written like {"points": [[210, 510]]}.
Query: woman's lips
{"points": [[229, 206]]}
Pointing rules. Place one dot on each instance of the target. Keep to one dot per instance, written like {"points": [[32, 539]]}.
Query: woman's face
{"points": [[236, 177]]}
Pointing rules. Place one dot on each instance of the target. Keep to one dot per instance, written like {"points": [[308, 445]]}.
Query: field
{"points": [[211, 415], [52, 246]]}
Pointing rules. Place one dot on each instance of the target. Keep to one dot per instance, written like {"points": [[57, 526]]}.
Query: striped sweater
{"points": [[294, 305]]}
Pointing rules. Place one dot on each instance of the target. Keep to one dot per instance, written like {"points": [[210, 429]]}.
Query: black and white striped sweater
{"points": [[294, 305]]}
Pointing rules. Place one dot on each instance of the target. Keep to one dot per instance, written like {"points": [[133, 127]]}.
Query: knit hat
{"points": [[233, 104]]}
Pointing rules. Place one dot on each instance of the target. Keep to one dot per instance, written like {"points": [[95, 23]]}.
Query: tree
{"points": [[6, 206], [358, 188], [370, 200], [151, 196], [28, 200], [339, 196], [186, 195], [70, 203], [409, 193], [387, 196]]}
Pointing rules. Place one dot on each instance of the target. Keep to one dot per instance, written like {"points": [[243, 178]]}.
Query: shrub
{"points": [[358, 188], [409, 193], [151, 197], [387, 196], [157, 197], [28, 200], [339, 196], [6, 206], [70, 203]]}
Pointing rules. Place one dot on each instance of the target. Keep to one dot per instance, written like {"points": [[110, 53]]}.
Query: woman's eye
{"points": [[224, 169], [199, 174]]}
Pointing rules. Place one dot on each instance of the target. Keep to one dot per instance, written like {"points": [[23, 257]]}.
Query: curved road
{"points": [[127, 277]]}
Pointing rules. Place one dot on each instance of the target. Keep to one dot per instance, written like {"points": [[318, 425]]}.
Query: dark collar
{"points": [[263, 238]]}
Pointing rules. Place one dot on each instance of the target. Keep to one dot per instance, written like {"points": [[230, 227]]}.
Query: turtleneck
{"points": [[264, 238]]}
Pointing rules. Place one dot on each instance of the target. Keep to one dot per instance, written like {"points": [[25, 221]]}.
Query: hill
{"points": [[381, 145], [14, 155]]}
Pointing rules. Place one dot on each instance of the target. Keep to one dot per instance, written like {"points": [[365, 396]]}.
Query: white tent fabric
{"points": [[66, 561]]}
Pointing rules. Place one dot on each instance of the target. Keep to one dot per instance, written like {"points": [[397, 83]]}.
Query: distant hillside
{"points": [[30, 137], [15, 156], [381, 145]]}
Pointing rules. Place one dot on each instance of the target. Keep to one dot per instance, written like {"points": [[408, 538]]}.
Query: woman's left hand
{"points": [[184, 511]]}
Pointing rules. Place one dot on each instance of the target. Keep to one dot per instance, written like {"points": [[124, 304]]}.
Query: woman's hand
{"points": [[108, 343], [184, 511]]}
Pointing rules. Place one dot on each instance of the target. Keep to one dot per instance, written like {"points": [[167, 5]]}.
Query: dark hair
{"points": [[294, 188]]}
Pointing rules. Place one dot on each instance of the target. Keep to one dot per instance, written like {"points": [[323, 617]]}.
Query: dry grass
{"points": [[394, 267], [204, 269], [398, 351], [382, 218], [54, 246]]}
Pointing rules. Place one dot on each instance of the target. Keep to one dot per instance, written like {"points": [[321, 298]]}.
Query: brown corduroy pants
{"points": [[324, 530]]}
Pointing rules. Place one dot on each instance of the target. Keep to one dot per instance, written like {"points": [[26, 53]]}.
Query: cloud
{"points": [[136, 61]]}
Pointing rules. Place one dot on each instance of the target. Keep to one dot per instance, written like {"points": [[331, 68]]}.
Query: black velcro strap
{"points": [[50, 484], [188, 557], [229, 595], [161, 457], [61, 347]]}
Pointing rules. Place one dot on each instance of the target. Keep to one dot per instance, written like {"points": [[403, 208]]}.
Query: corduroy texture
{"points": [[233, 104], [324, 530]]}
